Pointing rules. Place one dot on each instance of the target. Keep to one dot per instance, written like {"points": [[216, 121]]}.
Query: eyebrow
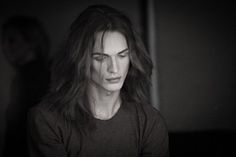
{"points": [[100, 53]]}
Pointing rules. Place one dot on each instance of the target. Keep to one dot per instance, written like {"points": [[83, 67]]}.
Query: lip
{"points": [[113, 79]]}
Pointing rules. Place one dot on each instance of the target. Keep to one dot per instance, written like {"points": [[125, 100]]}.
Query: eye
{"points": [[123, 54], [99, 57]]}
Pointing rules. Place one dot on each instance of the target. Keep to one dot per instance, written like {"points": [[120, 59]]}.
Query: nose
{"points": [[113, 65]]}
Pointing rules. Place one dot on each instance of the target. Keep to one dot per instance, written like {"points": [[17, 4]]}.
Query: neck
{"points": [[104, 104]]}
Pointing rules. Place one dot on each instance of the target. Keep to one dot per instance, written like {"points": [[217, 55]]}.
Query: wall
{"points": [[196, 49]]}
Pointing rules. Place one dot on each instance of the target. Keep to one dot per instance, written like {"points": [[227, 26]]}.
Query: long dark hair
{"points": [[71, 72]]}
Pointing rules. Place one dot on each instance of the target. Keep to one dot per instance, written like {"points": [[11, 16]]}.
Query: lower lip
{"points": [[115, 80]]}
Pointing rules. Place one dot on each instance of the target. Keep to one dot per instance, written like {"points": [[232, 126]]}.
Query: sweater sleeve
{"points": [[44, 135], [156, 141]]}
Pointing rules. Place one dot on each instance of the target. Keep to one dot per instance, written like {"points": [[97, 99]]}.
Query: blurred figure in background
{"points": [[26, 47]]}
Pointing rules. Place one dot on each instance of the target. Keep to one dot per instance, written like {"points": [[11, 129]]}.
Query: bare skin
{"points": [[109, 69]]}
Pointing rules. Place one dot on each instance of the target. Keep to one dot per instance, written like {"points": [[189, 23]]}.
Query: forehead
{"points": [[110, 42]]}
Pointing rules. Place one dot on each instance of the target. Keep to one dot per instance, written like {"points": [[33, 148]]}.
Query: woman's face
{"points": [[16, 48], [110, 65]]}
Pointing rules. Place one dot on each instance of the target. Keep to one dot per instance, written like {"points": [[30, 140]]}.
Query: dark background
{"points": [[195, 45]]}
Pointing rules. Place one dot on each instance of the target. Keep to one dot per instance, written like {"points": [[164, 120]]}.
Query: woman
{"points": [[98, 104], [26, 47]]}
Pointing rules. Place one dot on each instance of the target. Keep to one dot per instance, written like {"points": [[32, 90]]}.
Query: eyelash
{"points": [[123, 55], [101, 58]]}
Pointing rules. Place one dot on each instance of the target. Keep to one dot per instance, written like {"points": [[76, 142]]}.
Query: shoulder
{"points": [[148, 112], [154, 117], [46, 132], [154, 132], [147, 115], [39, 112], [46, 126], [150, 117], [152, 112], [40, 118]]}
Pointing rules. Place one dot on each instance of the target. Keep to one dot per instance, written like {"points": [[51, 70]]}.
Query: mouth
{"points": [[113, 79]]}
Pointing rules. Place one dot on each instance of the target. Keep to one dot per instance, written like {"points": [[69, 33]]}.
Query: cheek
{"points": [[97, 71], [125, 66]]}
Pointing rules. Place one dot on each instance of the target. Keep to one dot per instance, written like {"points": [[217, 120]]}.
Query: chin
{"points": [[113, 88]]}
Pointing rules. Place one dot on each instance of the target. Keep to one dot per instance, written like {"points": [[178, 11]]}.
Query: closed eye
{"points": [[102, 56], [124, 53], [99, 56]]}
